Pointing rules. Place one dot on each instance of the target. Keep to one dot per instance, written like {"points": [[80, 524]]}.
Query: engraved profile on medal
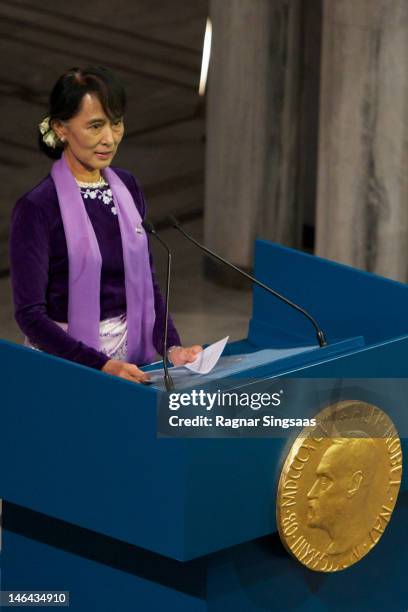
{"points": [[339, 485], [344, 479]]}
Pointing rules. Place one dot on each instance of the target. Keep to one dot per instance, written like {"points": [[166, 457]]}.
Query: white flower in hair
{"points": [[44, 126], [49, 137]]}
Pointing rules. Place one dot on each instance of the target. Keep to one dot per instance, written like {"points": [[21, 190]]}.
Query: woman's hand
{"points": [[125, 370], [181, 355]]}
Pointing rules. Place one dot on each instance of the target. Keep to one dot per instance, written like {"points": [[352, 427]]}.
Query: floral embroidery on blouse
{"points": [[103, 194]]}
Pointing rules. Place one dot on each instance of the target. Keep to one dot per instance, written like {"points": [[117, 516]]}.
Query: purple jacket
{"points": [[39, 271]]}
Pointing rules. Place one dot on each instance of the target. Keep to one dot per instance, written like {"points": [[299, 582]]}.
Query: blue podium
{"points": [[97, 504]]}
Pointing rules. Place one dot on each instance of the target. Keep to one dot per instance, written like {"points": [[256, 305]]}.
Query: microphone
{"points": [[149, 228], [321, 338]]}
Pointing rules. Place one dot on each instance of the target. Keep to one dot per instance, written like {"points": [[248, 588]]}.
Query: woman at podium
{"points": [[83, 281]]}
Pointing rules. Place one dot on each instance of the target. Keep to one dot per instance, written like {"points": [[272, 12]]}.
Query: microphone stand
{"points": [[321, 338], [168, 381]]}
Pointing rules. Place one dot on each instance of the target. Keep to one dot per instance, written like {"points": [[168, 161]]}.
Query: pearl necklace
{"points": [[95, 185]]}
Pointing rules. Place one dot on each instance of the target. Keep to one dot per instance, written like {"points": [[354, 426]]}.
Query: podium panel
{"points": [[97, 504]]}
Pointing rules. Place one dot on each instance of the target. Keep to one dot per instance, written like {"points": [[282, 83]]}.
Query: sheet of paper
{"points": [[208, 358]]}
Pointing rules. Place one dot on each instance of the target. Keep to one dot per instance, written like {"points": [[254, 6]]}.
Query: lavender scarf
{"points": [[85, 264]]}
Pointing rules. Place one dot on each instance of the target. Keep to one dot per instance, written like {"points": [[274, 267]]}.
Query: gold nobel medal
{"points": [[339, 486]]}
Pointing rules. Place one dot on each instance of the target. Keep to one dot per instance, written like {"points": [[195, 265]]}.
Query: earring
{"points": [[62, 139]]}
